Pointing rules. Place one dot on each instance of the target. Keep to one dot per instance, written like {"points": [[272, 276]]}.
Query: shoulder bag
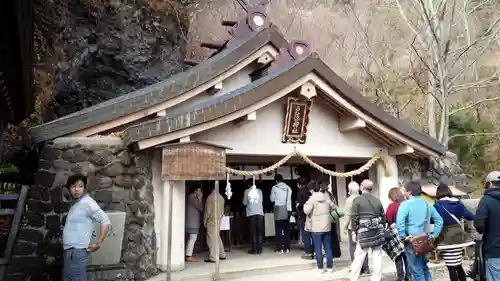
{"points": [[423, 244], [281, 212], [386, 231], [454, 217]]}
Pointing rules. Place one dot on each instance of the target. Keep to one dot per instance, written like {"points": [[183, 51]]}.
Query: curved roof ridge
{"points": [[274, 81]]}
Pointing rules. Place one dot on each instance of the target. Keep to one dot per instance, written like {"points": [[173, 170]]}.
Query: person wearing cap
{"points": [[353, 189], [486, 222]]}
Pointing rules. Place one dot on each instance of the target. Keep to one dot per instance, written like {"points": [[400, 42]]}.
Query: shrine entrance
{"points": [[178, 162]]}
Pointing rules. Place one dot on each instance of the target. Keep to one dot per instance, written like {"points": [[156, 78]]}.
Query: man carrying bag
{"points": [[413, 225]]}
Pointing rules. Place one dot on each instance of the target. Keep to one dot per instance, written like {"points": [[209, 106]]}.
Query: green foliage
{"points": [[185, 2], [8, 169], [473, 151]]}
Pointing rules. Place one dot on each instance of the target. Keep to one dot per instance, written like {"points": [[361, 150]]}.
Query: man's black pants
{"points": [[256, 224]]}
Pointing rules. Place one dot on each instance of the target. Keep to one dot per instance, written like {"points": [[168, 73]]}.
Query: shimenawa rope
{"points": [[377, 156]]}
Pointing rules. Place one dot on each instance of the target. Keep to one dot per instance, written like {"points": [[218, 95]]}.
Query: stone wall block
{"points": [[99, 182], [44, 165], [31, 235], [66, 145], [39, 193], [125, 158], [117, 207], [113, 169], [442, 169], [53, 222], [61, 207], [120, 195], [22, 248], [103, 195], [101, 157], [50, 153], [84, 168], [56, 195], [26, 264], [125, 181], [44, 178], [75, 155], [50, 249], [62, 165], [34, 219], [140, 181], [61, 178], [38, 206]]}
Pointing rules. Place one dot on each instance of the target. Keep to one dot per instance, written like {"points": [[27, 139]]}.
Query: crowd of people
{"points": [[403, 232]]}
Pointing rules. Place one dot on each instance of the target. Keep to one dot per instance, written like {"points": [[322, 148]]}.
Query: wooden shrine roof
{"points": [[274, 81]]}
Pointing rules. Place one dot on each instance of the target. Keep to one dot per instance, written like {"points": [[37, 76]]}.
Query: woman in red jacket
{"points": [[396, 249]]}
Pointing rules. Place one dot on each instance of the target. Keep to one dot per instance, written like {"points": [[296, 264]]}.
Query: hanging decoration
{"points": [[229, 192], [376, 157], [253, 194], [330, 185]]}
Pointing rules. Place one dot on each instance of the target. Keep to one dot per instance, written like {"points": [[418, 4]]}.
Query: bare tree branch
{"points": [[490, 81], [408, 23], [474, 104], [474, 134]]}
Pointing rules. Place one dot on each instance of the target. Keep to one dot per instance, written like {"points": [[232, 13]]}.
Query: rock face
{"points": [[117, 179], [443, 169], [103, 49]]}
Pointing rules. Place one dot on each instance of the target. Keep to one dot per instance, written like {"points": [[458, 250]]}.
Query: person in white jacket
{"points": [[281, 195]]}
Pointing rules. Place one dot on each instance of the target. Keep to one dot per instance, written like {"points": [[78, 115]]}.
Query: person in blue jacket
{"points": [[413, 219], [487, 222], [453, 239]]}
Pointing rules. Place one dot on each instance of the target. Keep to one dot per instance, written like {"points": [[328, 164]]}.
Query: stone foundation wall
{"points": [[446, 169], [117, 179]]}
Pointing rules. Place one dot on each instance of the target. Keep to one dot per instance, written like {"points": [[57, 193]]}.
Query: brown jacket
{"points": [[209, 217]]}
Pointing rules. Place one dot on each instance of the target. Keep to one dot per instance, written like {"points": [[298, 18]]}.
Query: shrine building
{"points": [[257, 99]]}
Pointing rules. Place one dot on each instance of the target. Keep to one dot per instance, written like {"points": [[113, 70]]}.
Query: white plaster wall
{"points": [[386, 183], [178, 225], [161, 193], [263, 136]]}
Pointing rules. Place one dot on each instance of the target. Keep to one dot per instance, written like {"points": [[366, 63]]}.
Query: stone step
{"points": [[230, 274]]}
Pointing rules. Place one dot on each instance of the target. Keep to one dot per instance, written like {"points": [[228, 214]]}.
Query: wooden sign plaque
{"points": [[194, 161], [296, 120]]}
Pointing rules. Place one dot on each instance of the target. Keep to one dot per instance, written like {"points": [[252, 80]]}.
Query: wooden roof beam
{"points": [[217, 87], [252, 116], [212, 45], [347, 124], [401, 150], [190, 62], [229, 23]]}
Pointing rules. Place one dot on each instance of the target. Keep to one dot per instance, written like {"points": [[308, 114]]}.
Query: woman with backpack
{"points": [[452, 240]]}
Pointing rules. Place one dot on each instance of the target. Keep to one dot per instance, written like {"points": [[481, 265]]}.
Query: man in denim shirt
{"points": [[79, 228], [411, 221]]}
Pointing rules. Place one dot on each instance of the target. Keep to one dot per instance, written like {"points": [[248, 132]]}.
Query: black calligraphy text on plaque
{"points": [[296, 120]]}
